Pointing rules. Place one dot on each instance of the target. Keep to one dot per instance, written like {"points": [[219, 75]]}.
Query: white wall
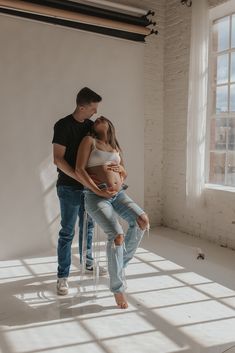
{"points": [[214, 220], [165, 89], [42, 68]]}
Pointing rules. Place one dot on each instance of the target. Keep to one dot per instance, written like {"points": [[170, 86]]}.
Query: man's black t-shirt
{"points": [[69, 133]]}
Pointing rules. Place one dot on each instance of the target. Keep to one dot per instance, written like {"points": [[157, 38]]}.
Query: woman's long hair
{"points": [[111, 134]]}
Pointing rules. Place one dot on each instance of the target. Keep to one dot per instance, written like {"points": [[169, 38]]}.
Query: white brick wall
{"points": [[154, 93], [214, 220], [176, 64], [166, 94]]}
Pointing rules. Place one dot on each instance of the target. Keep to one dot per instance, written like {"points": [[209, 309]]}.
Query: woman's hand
{"points": [[117, 168], [107, 193]]}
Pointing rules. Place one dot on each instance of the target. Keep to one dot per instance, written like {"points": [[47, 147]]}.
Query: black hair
{"points": [[86, 96]]}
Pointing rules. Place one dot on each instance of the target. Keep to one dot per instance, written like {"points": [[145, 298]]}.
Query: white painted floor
{"points": [[177, 303]]}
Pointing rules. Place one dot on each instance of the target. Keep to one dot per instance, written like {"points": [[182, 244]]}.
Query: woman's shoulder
{"points": [[88, 141], [88, 138]]}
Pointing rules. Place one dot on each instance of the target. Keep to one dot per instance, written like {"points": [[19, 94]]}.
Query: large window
{"points": [[221, 154]]}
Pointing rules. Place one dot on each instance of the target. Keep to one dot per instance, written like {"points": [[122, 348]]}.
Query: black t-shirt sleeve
{"points": [[60, 134]]}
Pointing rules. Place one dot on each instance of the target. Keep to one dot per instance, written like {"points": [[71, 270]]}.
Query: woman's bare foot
{"points": [[121, 300]]}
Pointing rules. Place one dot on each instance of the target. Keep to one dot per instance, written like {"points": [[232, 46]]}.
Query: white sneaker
{"points": [[102, 270], [62, 286]]}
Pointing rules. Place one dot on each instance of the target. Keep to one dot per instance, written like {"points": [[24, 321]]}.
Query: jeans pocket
{"points": [[68, 194]]}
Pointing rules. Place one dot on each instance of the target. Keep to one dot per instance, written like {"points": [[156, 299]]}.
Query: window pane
{"points": [[217, 168], [233, 31], [221, 99], [231, 169], [232, 98], [218, 134], [222, 69], [232, 77], [231, 134], [221, 34]]}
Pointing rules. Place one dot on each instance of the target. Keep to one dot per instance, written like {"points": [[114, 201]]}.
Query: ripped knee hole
{"points": [[119, 239]]}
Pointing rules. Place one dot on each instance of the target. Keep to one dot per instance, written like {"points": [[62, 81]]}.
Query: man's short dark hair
{"points": [[86, 96]]}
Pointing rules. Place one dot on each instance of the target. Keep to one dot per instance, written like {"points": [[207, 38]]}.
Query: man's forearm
{"points": [[66, 168], [86, 180]]}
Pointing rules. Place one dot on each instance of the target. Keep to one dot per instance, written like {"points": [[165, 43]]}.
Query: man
{"points": [[68, 133]]}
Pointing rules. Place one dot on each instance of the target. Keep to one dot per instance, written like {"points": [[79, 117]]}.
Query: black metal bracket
{"points": [[188, 3]]}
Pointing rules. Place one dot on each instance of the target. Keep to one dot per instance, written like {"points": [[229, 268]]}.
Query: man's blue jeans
{"points": [[72, 207]]}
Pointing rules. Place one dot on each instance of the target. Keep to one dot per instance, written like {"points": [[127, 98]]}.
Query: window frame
{"points": [[216, 13]]}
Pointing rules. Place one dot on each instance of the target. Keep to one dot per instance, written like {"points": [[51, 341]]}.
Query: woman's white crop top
{"points": [[98, 157]]}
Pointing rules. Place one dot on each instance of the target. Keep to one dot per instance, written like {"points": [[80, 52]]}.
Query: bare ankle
{"points": [[121, 300]]}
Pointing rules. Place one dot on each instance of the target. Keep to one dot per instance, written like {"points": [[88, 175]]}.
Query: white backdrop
{"points": [[41, 69]]}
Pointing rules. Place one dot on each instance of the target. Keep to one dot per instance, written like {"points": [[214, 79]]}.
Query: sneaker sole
{"points": [[64, 292]]}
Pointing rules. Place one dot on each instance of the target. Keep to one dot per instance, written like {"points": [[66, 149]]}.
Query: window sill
{"points": [[220, 187]]}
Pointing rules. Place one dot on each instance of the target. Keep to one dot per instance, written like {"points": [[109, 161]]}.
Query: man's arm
{"points": [[60, 162]]}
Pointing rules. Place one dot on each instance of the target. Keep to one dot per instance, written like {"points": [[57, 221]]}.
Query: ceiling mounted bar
{"points": [[94, 11], [25, 6], [90, 28], [60, 12], [115, 6]]}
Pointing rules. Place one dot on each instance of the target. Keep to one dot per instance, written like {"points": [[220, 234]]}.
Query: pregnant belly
{"points": [[100, 174]]}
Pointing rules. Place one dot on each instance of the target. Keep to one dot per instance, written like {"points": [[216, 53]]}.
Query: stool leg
{"points": [[96, 252], [84, 249]]}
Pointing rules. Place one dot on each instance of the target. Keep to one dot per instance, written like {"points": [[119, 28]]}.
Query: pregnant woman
{"points": [[100, 169]]}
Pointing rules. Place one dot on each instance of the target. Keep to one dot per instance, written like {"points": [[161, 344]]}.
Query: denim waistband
{"points": [[104, 186]]}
